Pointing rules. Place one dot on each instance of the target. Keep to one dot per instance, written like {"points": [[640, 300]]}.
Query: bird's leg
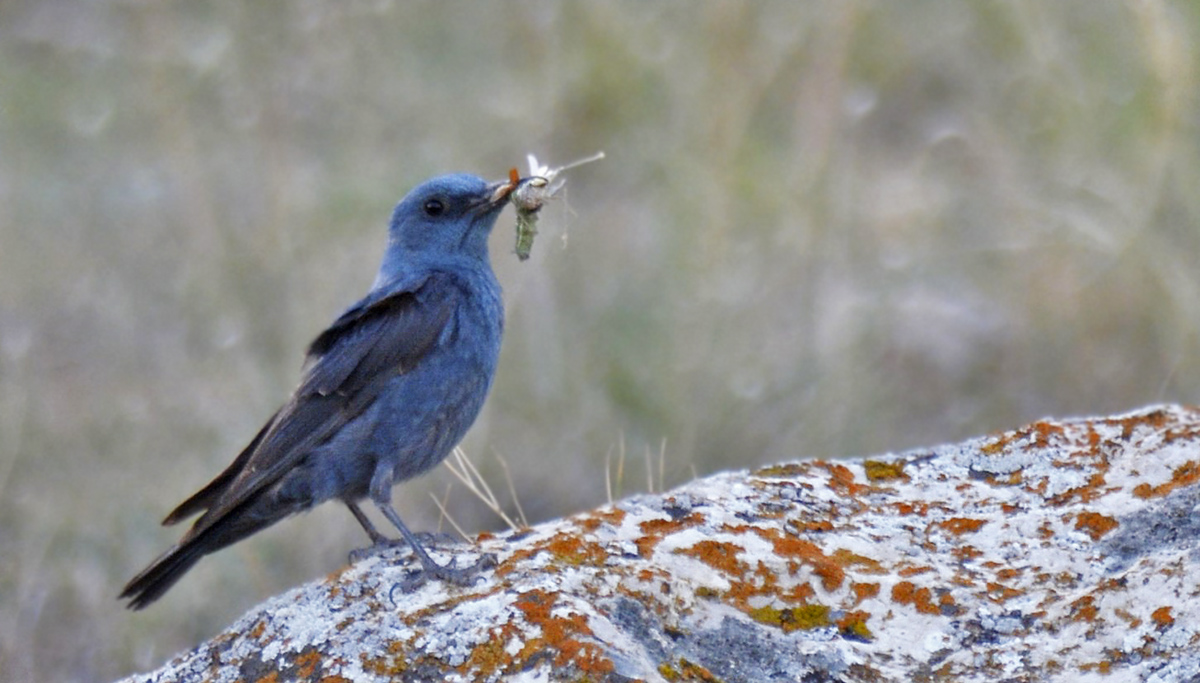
{"points": [[379, 542], [381, 489], [376, 537]]}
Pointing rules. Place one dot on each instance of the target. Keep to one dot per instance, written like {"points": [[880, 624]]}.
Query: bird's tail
{"points": [[153, 581], [207, 536]]}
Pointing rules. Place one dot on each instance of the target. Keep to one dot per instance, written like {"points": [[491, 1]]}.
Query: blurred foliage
{"points": [[823, 229]]}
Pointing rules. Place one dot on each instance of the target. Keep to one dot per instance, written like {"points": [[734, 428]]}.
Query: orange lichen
{"points": [[1155, 420], [994, 447], [1084, 609], [307, 664], [1089, 492], [906, 593], [1185, 475], [718, 555], [963, 579], [566, 547], [1095, 524], [1042, 431], [962, 525], [919, 508], [819, 525], [612, 516], [862, 563], [1133, 620], [1008, 573], [801, 592], [750, 585], [947, 604], [654, 530], [841, 479], [1014, 478], [1162, 617], [828, 569], [863, 591], [966, 552], [998, 592], [662, 527], [560, 635]]}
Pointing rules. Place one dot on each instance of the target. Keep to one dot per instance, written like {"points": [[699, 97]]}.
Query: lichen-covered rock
{"points": [[1067, 550]]}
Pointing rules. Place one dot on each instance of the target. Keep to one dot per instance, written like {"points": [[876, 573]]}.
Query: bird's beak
{"points": [[498, 192]]}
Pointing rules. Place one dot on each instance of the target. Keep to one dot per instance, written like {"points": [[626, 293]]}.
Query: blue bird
{"points": [[387, 391]]}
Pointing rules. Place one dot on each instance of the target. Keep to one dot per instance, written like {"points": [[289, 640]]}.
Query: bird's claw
{"points": [[379, 547], [449, 573]]}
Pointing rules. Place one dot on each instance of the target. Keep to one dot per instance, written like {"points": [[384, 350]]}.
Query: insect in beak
{"points": [[530, 194]]}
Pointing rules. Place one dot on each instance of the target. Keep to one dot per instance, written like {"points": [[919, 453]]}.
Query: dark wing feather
{"points": [[384, 335], [205, 497], [380, 334]]}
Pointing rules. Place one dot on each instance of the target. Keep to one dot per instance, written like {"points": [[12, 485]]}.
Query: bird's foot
{"points": [[379, 547], [450, 573]]}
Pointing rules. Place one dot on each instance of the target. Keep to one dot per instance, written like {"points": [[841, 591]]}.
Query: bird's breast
{"points": [[477, 326], [429, 409]]}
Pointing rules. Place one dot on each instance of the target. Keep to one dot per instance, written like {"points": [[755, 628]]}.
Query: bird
{"points": [[387, 391]]}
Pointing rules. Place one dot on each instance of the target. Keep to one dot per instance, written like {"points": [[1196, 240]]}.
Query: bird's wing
{"points": [[385, 332], [207, 496], [384, 335]]}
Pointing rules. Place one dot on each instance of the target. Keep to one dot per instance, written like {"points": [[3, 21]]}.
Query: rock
{"points": [[1066, 550]]}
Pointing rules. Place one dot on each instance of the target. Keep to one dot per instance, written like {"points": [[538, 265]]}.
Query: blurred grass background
{"points": [[823, 229]]}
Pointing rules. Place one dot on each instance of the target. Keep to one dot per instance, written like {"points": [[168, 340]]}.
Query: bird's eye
{"points": [[434, 207]]}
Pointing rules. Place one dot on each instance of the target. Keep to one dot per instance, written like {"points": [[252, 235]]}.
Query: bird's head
{"points": [[450, 215]]}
